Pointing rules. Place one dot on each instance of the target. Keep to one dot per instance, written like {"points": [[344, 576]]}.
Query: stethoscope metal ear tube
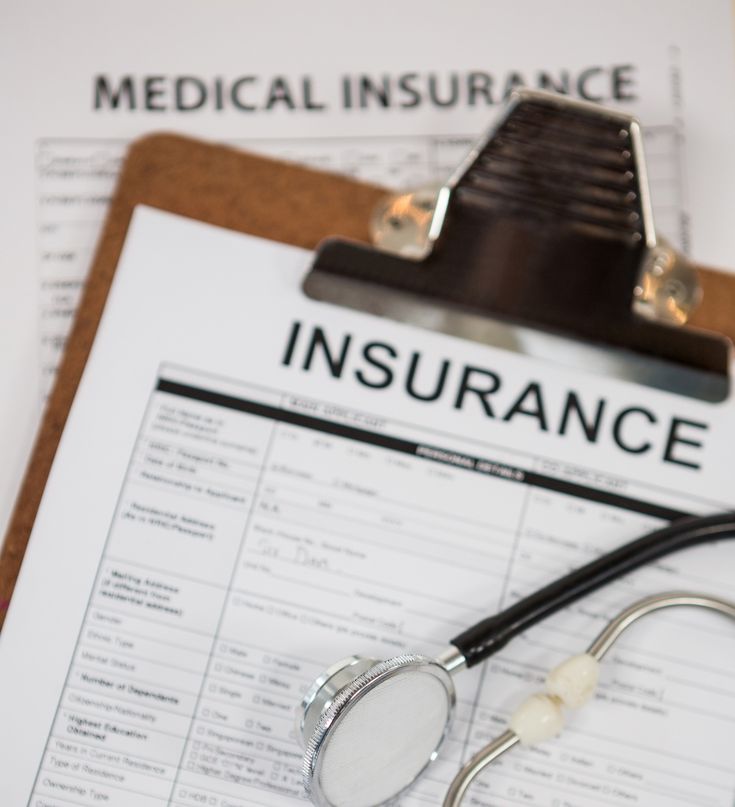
{"points": [[370, 727], [571, 684]]}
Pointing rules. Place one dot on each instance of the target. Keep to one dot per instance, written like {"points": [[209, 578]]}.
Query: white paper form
{"points": [[252, 485], [391, 93]]}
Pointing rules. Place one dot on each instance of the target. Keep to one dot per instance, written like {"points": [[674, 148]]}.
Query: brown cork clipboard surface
{"points": [[242, 192]]}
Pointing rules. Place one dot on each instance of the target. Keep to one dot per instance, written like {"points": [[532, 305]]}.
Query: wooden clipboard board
{"points": [[241, 192]]}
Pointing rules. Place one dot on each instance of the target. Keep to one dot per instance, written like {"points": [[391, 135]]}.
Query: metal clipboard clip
{"points": [[545, 226]]}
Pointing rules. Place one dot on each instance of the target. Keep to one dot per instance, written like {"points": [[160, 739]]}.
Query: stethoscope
{"points": [[370, 728]]}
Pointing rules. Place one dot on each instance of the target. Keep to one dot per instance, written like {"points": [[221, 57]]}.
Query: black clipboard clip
{"points": [[546, 225]]}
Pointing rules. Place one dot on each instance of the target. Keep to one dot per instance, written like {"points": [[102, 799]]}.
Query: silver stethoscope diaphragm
{"points": [[370, 727]]}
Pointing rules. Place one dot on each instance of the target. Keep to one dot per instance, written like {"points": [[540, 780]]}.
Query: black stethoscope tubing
{"points": [[490, 635]]}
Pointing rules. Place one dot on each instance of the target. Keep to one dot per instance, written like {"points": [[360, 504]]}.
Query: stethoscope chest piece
{"points": [[371, 727]]}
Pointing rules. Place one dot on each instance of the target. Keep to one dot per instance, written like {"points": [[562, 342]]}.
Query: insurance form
{"points": [[387, 92], [252, 485]]}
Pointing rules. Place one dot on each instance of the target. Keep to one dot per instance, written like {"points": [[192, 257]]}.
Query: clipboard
{"points": [[211, 183], [246, 193]]}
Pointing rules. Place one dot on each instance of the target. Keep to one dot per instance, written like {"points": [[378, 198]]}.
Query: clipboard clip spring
{"points": [[547, 224], [667, 289]]}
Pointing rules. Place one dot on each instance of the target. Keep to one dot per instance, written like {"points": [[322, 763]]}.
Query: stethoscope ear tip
{"points": [[570, 685]]}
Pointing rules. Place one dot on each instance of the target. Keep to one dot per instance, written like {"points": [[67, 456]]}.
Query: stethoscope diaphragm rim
{"points": [[347, 698]]}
